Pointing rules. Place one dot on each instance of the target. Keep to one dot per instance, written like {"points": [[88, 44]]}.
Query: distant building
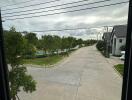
{"points": [[118, 38], [115, 39]]}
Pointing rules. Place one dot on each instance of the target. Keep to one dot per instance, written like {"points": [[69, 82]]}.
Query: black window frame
{"points": [[127, 77], [4, 81]]}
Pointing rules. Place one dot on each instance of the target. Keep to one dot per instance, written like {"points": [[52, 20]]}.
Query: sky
{"points": [[93, 19]]}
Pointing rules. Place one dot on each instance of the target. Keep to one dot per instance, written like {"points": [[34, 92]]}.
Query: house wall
{"points": [[117, 44]]}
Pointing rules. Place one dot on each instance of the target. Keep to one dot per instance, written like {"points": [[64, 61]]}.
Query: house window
{"points": [[120, 40]]}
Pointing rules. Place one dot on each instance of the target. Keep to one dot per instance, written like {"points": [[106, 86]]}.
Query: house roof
{"points": [[120, 30], [107, 35]]}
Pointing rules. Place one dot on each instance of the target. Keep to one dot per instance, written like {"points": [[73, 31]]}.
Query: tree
{"points": [[79, 42], [64, 43], [31, 38], [101, 45], [29, 49], [47, 43], [39, 45], [56, 43], [89, 42], [14, 48], [71, 42], [74, 44], [31, 42]]}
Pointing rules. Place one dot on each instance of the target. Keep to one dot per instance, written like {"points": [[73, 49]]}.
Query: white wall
{"points": [[116, 47], [118, 51]]}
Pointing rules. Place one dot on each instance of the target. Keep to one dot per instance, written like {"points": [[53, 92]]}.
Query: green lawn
{"points": [[44, 61], [119, 68]]}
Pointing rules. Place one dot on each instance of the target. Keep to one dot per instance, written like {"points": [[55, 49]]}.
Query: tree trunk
{"points": [[14, 98], [57, 52], [44, 51], [17, 97]]}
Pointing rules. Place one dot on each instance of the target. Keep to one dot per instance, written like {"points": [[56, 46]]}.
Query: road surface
{"points": [[85, 75]]}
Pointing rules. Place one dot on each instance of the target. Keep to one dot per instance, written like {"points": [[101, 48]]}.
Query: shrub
{"points": [[100, 46]]}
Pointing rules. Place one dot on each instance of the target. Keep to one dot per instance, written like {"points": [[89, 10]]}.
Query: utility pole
{"points": [[4, 83], [106, 28], [100, 36], [107, 44], [97, 37]]}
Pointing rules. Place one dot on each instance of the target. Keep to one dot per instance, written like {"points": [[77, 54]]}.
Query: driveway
{"points": [[85, 75]]}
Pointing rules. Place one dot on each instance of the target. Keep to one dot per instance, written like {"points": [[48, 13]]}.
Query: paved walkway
{"points": [[114, 60], [85, 75]]}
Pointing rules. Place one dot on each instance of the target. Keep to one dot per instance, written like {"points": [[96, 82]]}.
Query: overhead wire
{"points": [[59, 5], [17, 3], [61, 30], [82, 28], [30, 5], [59, 8], [107, 5]]}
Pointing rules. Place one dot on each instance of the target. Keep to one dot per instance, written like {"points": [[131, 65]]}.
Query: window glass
{"points": [[120, 40], [55, 50]]}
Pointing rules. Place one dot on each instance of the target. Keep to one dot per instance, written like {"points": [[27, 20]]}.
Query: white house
{"points": [[118, 39]]}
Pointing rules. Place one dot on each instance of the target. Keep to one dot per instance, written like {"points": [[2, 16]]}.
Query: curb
{"points": [[44, 66], [49, 66]]}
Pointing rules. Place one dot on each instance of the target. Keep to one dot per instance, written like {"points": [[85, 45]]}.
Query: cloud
{"points": [[113, 15]]}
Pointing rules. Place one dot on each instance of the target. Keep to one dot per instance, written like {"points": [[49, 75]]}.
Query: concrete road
{"points": [[85, 75]]}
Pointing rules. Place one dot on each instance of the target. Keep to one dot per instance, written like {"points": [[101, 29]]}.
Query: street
{"points": [[84, 75]]}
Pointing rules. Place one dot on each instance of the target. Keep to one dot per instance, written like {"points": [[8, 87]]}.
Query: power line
{"points": [[18, 3], [63, 29], [70, 29], [70, 11], [49, 6], [58, 8], [31, 5]]}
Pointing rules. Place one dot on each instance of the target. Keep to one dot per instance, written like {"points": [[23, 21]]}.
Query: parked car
{"points": [[123, 55]]}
